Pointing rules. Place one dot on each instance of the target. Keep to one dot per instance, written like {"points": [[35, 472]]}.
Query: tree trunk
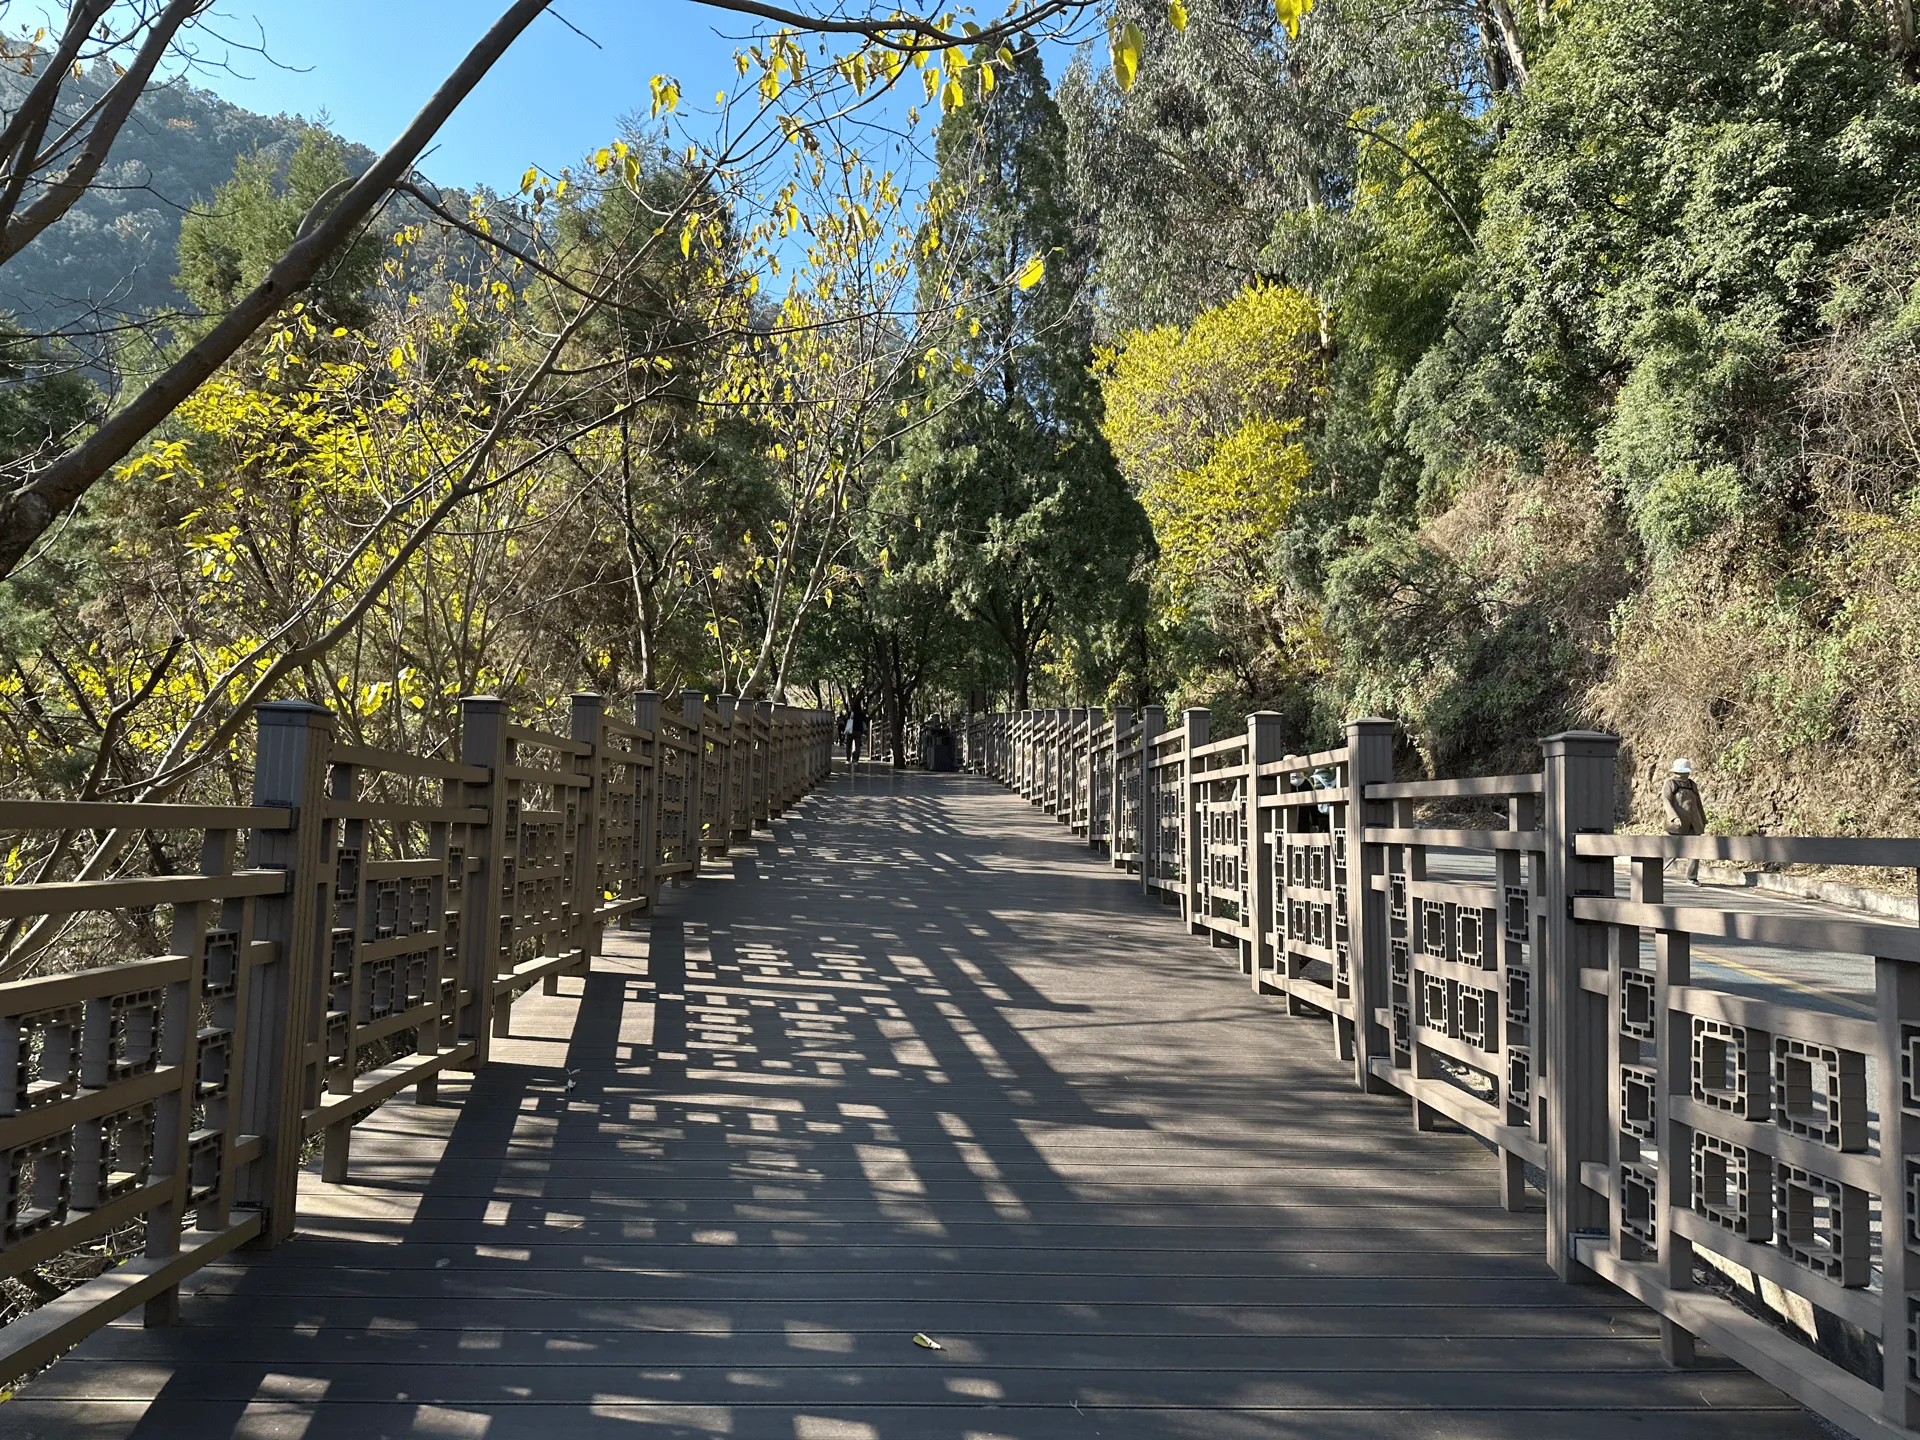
{"points": [[1491, 50], [1510, 36]]}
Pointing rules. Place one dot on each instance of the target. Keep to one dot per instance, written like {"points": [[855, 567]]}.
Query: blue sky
{"points": [[369, 65]]}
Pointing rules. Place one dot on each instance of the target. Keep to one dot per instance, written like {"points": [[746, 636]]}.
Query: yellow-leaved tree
{"points": [[1208, 423]]}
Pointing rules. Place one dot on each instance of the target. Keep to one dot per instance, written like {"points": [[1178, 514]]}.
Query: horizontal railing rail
{"points": [[371, 931], [1498, 972]]}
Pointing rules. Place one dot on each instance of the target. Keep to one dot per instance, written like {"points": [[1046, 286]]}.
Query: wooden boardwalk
{"points": [[919, 1064]]}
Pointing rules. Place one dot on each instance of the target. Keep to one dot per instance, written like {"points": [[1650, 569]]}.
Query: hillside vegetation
{"points": [[1606, 411], [115, 250]]}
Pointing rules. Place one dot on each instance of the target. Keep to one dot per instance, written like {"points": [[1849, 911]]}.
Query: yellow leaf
{"points": [[952, 97], [1126, 43], [666, 93], [986, 79], [530, 179], [1176, 14], [1291, 13], [1031, 273]]}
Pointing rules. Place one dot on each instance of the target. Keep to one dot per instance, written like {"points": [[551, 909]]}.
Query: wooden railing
{"points": [[1503, 980], [389, 910]]}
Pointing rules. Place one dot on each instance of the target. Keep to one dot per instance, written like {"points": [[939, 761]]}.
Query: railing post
{"points": [[1029, 751], [1063, 766], [583, 930], [1116, 800], [1070, 770], [1369, 762], [1153, 723], [1572, 1066], [763, 763], [730, 714], [1897, 996], [646, 809], [291, 749], [483, 741], [781, 762], [1197, 725], [1057, 746], [1083, 811], [1265, 744], [693, 706]]}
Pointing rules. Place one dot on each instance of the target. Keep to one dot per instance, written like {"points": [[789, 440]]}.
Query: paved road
{"points": [[917, 1064]]}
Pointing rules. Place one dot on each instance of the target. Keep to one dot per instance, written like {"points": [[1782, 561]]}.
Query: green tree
{"points": [[1029, 527], [1662, 217], [228, 245]]}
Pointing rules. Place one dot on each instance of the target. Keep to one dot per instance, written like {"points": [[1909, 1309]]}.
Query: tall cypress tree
{"points": [[1025, 521]]}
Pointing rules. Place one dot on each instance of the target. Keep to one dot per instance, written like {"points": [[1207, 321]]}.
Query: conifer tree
{"points": [[1025, 521]]}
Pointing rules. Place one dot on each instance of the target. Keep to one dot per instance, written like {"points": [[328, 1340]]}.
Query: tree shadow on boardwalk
{"points": [[918, 1065]]}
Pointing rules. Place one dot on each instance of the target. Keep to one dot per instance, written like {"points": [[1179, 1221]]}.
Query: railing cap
{"points": [[1589, 742], [291, 712]]}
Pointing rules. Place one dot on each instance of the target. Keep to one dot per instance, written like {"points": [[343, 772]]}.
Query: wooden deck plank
{"points": [[917, 1064], [482, 1382], [622, 1417], [886, 1349]]}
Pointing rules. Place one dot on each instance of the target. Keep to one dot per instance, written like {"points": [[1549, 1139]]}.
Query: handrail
{"points": [[368, 944], [1685, 1117]]}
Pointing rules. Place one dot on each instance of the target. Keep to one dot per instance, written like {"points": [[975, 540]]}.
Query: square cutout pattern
{"points": [[40, 1057], [1519, 996], [122, 1037], [1636, 1005], [1478, 1017], [1639, 1104], [1639, 1205], [1722, 1077], [39, 1179], [113, 1156], [1520, 1076], [1517, 914], [1821, 1224], [1820, 1093], [1730, 1184]]}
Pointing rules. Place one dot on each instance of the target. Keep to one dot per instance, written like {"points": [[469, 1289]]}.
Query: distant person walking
{"points": [[1686, 815], [843, 732], [858, 720]]}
